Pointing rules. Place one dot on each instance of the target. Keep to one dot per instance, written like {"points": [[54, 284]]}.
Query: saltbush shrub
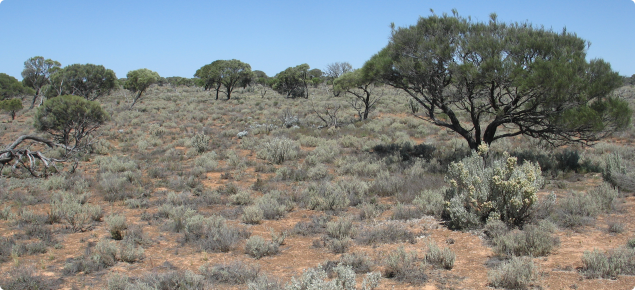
{"points": [[277, 150], [499, 188], [517, 273]]}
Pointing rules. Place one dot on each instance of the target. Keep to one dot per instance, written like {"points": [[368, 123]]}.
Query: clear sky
{"points": [[175, 38]]}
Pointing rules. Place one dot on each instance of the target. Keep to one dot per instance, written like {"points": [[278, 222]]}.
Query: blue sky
{"points": [[175, 38]]}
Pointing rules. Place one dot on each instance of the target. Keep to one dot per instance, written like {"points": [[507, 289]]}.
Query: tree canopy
{"points": [[361, 86], [11, 106], [10, 87], [86, 80], [36, 73], [70, 119], [475, 78], [227, 73], [138, 81], [292, 82]]}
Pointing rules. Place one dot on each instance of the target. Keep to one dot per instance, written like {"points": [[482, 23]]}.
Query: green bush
{"points": [[324, 196], [67, 207], [517, 273], [69, 119], [501, 189], [200, 143], [212, 233], [11, 106], [129, 252]]}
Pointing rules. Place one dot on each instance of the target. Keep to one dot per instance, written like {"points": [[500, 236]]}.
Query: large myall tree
{"points": [[488, 81]]}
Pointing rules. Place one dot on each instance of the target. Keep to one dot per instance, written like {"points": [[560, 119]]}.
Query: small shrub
{"points": [[25, 278], [405, 267], [200, 143], [360, 262], [116, 226], [369, 211], [212, 234], [324, 196], [129, 252], [620, 261], [252, 215], [517, 273], [234, 273], [241, 198], [404, 212], [616, 227], [274, 205], [391, 232], [502, 190], [531, 241], [277, 150], [317, 225], [440, 258], [257, 247], [263, 282], [117, 281], [317, 278], [430, 202], [171, 280]]}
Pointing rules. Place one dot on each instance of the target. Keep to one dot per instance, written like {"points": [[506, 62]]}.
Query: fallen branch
{"points": [[28, 158]]}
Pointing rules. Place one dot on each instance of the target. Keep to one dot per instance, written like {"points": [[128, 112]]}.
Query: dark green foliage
{"points": [[362, 87], [138, 81], [37, 72], [293, 82], [476, 77], [11, 106], [227, 73], [89, 81], [10, 87], [406, 151], [69, 119]]}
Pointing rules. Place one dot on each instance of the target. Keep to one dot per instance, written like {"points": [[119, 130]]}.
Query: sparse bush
{"points": [[430, 202], [317, 225], [116, 226], [517, 273], [531, 241], [405, 212], [241, 198], [277, 150], [117, 281], [212, 233], [369, 211], [501, 190], [234, 273], [360, 262], [25, 278], [67, 207], [440, 258], [171, 280], [200, 142], [129, 252], [324, 196], [620, 261], [252, 215], [274, 205], [316, 278], [405, 267], [207, 161], [257, 247], [390, 232], [263, 282]]}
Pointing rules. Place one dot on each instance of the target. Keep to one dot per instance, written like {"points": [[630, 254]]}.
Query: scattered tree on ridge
{"points": [[138, 81], [227, 73], [10, 87], [89, 81], [527, 80], [293, 82], [36, 73], [11, 106], [361, 87]]}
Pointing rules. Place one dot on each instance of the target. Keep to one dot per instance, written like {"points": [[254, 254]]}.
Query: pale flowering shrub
{"points": [[481, 189]]}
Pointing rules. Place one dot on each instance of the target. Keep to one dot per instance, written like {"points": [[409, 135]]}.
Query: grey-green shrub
{"points": [[116, 226], [252, 214], [430, 202], [317, 278], [620, 261], [129, 252], [200, 142], [277, 150], [66, 206], [324, 196], [502, 189], [207, 160], [531, 241], [405, 267], [258, 247], [517, 273], [440, 258]]}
